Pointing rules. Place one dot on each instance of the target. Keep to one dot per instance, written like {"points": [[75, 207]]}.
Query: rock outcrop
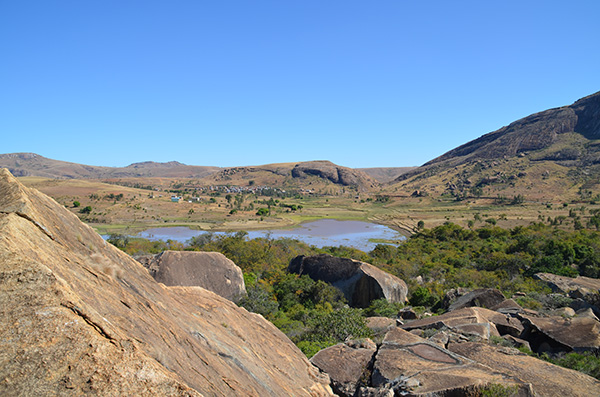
{"points": [[485, 297], [345, 364], [360, 282], [559, 334], [545, 379], [581, 288], [210, 270], [334, 173], [81, 317]]}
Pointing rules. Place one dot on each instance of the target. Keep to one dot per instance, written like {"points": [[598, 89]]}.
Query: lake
{"points": [[320, 233]]}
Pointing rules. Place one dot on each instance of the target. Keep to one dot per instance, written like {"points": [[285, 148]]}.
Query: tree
{"points": [[86, 210], [76, 204], [262, 211]]}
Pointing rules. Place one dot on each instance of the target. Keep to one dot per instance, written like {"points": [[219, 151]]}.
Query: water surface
{"points": [[320, 233]]}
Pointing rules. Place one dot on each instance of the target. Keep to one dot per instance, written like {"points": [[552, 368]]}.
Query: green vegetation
{"points": [[315, 315]]}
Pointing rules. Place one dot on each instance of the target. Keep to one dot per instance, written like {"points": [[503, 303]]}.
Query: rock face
{"points": [[81, 317], [534, 132], [345, 365], [447, 364], [582, 288], [558, 334], [486, 297], [545, 379], [210, 270], [360, 282], [334, 173]]}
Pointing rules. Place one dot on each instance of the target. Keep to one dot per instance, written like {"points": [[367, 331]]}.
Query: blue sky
{"points": [[228, 83]]}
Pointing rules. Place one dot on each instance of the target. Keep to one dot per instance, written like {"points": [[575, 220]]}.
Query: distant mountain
{"points": [[556, 144], [31, 164]]}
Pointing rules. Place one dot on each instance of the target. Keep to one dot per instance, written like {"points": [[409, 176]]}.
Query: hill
{"points": [[545, 156], [385, 174], [295, 175], [31, 164]]}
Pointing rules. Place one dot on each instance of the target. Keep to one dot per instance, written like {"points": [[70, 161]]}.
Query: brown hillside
{"points": [[31, 164]]}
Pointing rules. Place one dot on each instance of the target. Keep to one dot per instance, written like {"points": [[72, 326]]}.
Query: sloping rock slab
{"points": [[416, 367], [457, 320], [486, 297], [81, 317], [210, 270], [360, 282], [345, 365], [546, 379], [564, 285], [558, 334]]}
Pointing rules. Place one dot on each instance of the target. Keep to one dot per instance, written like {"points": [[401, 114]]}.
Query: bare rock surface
{"points": [[414, 366], [485, 297], [471, 320], [210, 270], [345, 365], [559, 334], [546, 379], [360, 282], [81, 317]]}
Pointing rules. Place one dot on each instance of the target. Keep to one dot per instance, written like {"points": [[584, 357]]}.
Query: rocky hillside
{"points": [[296, 174], [557, 144], [31, 164], [79, 316]]}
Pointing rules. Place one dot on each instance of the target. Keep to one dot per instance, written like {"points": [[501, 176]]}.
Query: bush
{"points": [[86, 210]]}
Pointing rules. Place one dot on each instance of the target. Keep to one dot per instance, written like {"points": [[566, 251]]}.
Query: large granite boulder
{"points": [[346, 364], [485, 297], [360, 282], [559, 334], [80, 317], [545, 379], [410, 365], [471, 321], [210, 270], [580, 288]]}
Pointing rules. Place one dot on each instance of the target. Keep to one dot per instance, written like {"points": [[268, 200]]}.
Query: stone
{"points": [[485, 297], [559, 334], [210, 270], [380, 325], [469, 321], [580, 288], [508, 306], [407, 313], [517, 342], [360, 282], [410, 365], [346, 366], [545, 379], [81, 317]]}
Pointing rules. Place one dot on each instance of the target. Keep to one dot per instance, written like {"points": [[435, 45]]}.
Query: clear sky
{"points": [[228, 83]]}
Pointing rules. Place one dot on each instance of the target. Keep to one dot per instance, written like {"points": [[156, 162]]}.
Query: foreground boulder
{"points": [[584, 289], [476, 321], [346, 364], [411, 365], [210, 270], [559, 334], [81, 317], [360, 282], [485, 297], [545, 379]]}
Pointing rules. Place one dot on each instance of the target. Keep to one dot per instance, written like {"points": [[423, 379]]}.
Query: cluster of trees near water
{"points": [[314, 314]]}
